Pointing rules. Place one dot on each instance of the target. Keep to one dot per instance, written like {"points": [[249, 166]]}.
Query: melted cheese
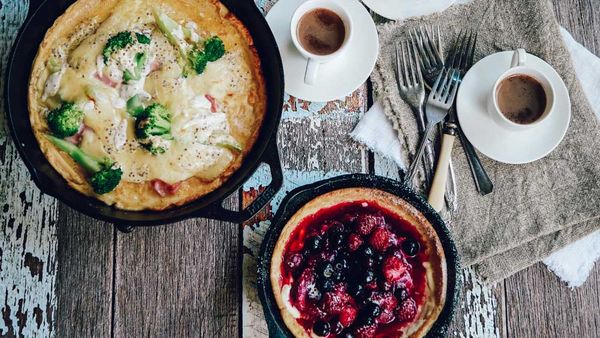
{"points": [[111, 130]]}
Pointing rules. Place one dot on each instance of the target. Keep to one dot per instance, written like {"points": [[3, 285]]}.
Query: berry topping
{"points": [[354, 242], [355, 273], [294, 261], [366, 331], [365, 223], [321, 328], [393, 268], [372, 310], [407, 310], [314, 243], [381, 239], [348, 315], [410, 247]]}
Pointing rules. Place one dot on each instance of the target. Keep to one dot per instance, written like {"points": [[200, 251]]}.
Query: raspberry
{"points": [[385, 317], [385, 300], [393, 268], [381, 239], [407, 310], [367, 331], [305, 282], [348, 315], [354, 242], [366, 223], [335, 301], [294, 261]]}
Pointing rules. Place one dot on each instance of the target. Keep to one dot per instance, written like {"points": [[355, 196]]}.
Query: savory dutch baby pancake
{"points": [[146, 104], [359, 262]]}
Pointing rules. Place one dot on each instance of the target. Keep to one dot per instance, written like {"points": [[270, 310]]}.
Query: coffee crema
{"points": [[321, 31], [521, 98]]}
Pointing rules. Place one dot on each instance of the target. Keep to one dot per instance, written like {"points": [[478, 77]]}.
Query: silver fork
{"points": [[440, 100], [426, 49], [411, 87], [427, 41]]}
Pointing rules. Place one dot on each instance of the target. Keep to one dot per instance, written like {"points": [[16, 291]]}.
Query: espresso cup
{"points": [[315, 60], [519, 67]]}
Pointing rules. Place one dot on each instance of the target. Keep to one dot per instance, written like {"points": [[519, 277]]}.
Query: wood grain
{"points": [[84, 281], [178, 280]]}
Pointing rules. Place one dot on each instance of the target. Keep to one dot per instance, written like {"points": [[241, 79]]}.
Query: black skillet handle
{"points": [[271, 158]]}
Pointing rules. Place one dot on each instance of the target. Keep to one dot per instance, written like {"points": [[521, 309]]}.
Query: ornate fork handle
{"points": [[428, 158], [482, 180]]}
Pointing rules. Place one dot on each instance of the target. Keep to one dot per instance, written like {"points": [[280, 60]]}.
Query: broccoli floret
{"points": [[214, 48], [143, 38], [153, 128], [140, 61], [197, 60], [65, 120], [104, 176], [116, 42]]}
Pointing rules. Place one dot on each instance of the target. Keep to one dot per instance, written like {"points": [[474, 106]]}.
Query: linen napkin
{"points": [[536, 208]]}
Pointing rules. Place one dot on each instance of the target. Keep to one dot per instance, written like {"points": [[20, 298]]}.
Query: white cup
{"points": [[519, 66], [313, 60]]}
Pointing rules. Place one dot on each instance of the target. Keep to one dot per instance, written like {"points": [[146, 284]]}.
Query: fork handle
{"points": [[438, 186], [414, 165], [482, 181]]}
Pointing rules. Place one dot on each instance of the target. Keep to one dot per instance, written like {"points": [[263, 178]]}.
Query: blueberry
{"points": [[337, 228], [356, 290], [314, 243], [338, 276], [410, 247], [368, 262], [401, 294], [325, 284], [321, 328], [314, 294], [337, 327], [348, 335], [367, 321], [336, 239], [326, 270], [368, 276], [372, 310], [340, 264], [367, 251], [379, 258]]}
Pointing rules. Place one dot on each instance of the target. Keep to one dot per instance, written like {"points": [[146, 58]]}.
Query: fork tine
{"points": [[463, 51], [471, 53], [445, 86], [418, 42], [451, 85], [454, 89], [431, 49], [405, 61], [417, 62], [434, 88], [456, 50], [413, 65]]}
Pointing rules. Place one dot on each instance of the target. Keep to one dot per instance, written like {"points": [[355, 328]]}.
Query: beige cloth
{"points": [[535, 208]]}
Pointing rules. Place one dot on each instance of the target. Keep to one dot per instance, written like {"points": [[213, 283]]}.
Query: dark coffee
{"points": [[321, 31], [521, 98]]}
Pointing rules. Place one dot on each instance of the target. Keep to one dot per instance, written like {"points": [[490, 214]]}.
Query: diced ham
{"points": [[76, 139], [163, 188], [106, 79], [213, 103]]}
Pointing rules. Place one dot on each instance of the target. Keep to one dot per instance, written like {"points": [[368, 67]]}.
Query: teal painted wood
{"points": [[27, 223]]}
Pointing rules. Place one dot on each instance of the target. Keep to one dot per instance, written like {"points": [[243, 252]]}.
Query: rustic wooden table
{"points": [[68, 275]]}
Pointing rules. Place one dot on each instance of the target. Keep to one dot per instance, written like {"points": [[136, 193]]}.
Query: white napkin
{"points": [[574, 262]]}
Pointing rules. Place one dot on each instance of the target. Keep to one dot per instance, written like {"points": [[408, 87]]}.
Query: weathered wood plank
{"points": [[178, 280], [539, 305], [84, 281], [27, 223]]}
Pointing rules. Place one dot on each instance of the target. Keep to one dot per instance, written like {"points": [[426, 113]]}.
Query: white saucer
{"points": [[338, 77], [402, 9], [496, 141]]}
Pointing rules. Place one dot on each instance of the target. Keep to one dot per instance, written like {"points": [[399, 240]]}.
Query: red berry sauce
{"points": [[355, 270]]}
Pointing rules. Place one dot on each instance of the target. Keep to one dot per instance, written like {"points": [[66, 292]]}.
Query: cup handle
{"points": [[312, 68], [519, 58]]}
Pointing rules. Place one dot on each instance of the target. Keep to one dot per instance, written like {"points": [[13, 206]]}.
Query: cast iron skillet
{"points": [[302, 195], [41, 16]]}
